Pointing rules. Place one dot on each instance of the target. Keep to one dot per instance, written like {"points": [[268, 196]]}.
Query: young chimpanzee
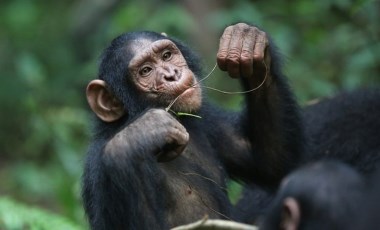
{"points": [[345, 128], [149, 167], [322, 195], [368, 214]]}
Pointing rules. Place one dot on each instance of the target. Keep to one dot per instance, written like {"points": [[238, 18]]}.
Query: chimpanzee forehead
{"points": [[144, 49], [139, 44]]}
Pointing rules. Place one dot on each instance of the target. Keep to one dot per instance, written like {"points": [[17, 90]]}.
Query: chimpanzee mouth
{"points": [[187, 85]]}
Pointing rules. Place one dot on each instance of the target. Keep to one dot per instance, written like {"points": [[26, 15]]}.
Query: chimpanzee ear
{"points": [[102, 102], [291, 214]]}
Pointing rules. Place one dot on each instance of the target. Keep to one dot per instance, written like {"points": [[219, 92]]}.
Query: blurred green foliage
{"points": [[49, 51], [16, 216]]}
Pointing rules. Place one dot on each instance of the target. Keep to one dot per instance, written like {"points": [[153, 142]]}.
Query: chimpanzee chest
{"points": [[195, 185]]}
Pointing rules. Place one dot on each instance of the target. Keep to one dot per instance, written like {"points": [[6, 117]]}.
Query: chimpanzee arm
{"points": [[270, 121], [124, 187]]}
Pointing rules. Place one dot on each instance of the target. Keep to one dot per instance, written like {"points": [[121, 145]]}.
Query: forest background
{"points": [[49, 52]]}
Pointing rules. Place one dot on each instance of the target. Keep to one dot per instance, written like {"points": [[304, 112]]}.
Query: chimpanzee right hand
{"points": [[156, 132]]}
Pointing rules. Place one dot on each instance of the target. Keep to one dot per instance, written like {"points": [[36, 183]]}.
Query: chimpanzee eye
{"points": [[166, 55], [145, 71]]}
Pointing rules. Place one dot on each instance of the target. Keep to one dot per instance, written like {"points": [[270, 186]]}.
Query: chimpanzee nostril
{"points": [[171, 74]]}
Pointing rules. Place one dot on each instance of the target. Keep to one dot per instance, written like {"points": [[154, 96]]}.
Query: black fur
{"points": [[345, 128], [329, 194], [132, 190], [367, 215]]}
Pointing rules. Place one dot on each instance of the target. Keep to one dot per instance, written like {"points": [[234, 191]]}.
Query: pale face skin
{"points": [[161, 73]]}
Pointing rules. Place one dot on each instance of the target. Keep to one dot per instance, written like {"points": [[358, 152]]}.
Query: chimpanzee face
{"points": [[161, 73]]}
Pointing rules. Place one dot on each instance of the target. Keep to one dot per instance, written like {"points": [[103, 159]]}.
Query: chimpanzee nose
{"points": [[170, 74]]}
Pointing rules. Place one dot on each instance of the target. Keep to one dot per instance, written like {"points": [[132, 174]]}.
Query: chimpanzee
{"points": [[368, 214], [147, 166], [345, 127], [322, 195]]}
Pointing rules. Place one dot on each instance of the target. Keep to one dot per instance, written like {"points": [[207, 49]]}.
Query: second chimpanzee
{"points": [[150, 167], [322, 195], [345, 127]]}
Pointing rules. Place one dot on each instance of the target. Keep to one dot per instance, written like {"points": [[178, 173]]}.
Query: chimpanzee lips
{"points": [[185, 86]]}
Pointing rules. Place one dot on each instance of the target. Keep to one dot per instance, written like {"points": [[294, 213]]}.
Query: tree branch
{"points": [[206, 224]]}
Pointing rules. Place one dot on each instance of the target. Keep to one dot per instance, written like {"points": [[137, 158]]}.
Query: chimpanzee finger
{"points": [[234, 50], [260, 45], [246, 56], [171, 151], [223, 48], [165, 156], [174, 146]]}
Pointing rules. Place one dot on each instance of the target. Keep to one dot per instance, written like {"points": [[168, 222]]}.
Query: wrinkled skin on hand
{"points": [[168, 138], [242, 50]]}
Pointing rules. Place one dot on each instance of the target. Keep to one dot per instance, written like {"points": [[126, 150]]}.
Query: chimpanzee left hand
{"points": [[242, 50]]}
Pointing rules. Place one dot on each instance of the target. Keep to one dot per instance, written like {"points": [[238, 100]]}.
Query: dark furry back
{"points": [[346, 127]]}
